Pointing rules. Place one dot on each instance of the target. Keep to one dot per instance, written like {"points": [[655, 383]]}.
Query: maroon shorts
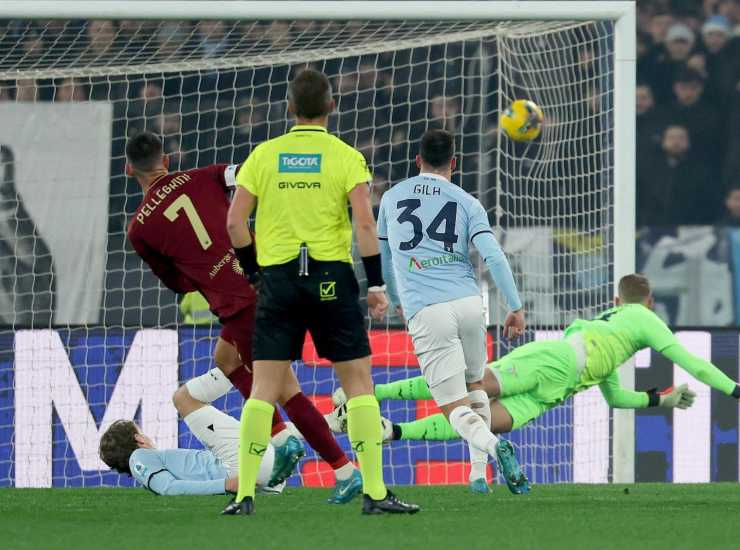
{"points": [[238, 331]]}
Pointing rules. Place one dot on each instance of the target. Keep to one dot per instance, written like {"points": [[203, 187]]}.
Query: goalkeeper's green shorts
{"points": [[535, 378]]}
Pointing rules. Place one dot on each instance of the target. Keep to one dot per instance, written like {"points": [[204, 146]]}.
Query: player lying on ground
{"points": [[180, 231], [213, 471], [441, 298], [538, 376]]}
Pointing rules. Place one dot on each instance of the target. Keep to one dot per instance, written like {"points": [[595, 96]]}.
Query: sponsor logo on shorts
{"points": [[415, 263], [328, 290], [257, 449], [299, 163], [358, 446]]}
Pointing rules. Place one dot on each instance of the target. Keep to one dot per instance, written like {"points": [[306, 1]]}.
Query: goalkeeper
{"points": [[538, 376]]}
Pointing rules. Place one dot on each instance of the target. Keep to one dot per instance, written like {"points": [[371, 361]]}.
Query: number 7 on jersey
{"points": [[183, 202]]}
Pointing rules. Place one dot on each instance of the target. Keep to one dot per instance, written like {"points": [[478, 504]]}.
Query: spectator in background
{"points": [[101, 38], [212, 35], [701, 118], [27, 90], [659, 25], [679, 43], [649, 123], [716, 35], [68, 90], [731, 10], [444, 112], [32, 44], [170, 39], [6, 91], [674, 187], [732, 208]]}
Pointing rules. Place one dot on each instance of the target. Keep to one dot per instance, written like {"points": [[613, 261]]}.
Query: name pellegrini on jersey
{"points": [[150, 206]]}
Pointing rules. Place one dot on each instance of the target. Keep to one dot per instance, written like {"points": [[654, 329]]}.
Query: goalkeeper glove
{"points": [[681, 397]]}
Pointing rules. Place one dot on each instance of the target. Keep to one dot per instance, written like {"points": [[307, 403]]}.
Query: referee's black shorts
{"points": [[326, 303]]}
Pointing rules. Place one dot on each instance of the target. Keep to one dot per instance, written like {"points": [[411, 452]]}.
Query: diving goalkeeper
{"points": [[538, 376]]}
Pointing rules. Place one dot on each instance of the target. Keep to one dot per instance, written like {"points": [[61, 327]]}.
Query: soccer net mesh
{"points": [[95, 337]]}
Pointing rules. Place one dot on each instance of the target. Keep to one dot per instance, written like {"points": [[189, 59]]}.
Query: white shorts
{"points": [[219, 433], [450, 342]]}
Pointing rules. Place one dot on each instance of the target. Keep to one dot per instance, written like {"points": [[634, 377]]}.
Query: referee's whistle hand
{"points": [[377, 303]]}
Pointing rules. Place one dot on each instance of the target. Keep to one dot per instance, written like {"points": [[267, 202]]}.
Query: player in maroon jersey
{"points": [[179, 229]]}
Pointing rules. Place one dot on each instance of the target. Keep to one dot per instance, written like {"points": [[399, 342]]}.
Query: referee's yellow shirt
{"points": [[301, 181]]}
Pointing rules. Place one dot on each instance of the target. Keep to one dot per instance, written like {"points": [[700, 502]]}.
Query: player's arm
{"points": [[621, 398], [148, 468], [242, 206], [493, 255], [164, 483], [162, 267], [386, 259], [702, 370], [661, 339], [367, 242], [224, 174]]}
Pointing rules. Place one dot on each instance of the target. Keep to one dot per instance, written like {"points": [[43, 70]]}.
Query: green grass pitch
{"points": [[649, 516]]}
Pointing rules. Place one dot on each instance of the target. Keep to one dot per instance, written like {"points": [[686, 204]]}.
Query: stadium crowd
{"points": [[688, 112], [688, 99]]}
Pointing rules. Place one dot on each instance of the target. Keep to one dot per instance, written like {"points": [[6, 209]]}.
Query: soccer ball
{"points": [[522, 121]]}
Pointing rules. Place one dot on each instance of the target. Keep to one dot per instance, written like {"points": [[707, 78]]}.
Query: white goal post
{"points": [[622, 81]]}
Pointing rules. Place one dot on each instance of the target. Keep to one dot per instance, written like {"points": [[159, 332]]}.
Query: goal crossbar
{"points": [[294, 10]]}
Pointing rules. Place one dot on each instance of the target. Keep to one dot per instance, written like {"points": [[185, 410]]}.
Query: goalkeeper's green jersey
{"points": [[618, 333]]}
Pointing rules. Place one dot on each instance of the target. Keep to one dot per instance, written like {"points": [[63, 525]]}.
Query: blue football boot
{"points": [[510, 469], [286, 458], [346, 490]]}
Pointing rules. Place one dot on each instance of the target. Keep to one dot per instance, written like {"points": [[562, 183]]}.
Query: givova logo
{"points": [[299, 162]]}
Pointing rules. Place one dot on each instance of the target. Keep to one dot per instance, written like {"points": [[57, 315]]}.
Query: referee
{"points": [[300, 183]]}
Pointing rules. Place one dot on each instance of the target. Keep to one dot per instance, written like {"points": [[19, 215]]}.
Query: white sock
{"points": [[344, 472], [478, 458], [472, 429], [280, 439]]}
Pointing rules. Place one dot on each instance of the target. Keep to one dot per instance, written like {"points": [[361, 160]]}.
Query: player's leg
{"points": [[219, 433], [203, 390], [228, 359], [276, 332], [314, 428], [435, 334], [472, 333], [337, 327], [289, 449]]}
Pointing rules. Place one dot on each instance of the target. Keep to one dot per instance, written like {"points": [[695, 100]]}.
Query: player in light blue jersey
{"points": [[426, 225], [212, 471]]}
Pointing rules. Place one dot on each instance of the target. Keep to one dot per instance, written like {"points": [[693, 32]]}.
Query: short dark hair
{"points": [[437, 147], [117, 445], [688, 74], [144, 151], [310, 94], [634, 288]]}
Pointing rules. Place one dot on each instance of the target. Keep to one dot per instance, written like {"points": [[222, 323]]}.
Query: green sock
{"points": [[254, 436], [431, 428], [363, 427], [408, 388]]}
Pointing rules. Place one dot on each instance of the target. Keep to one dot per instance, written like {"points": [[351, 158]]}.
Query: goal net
{"points": [[93, 336]]}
